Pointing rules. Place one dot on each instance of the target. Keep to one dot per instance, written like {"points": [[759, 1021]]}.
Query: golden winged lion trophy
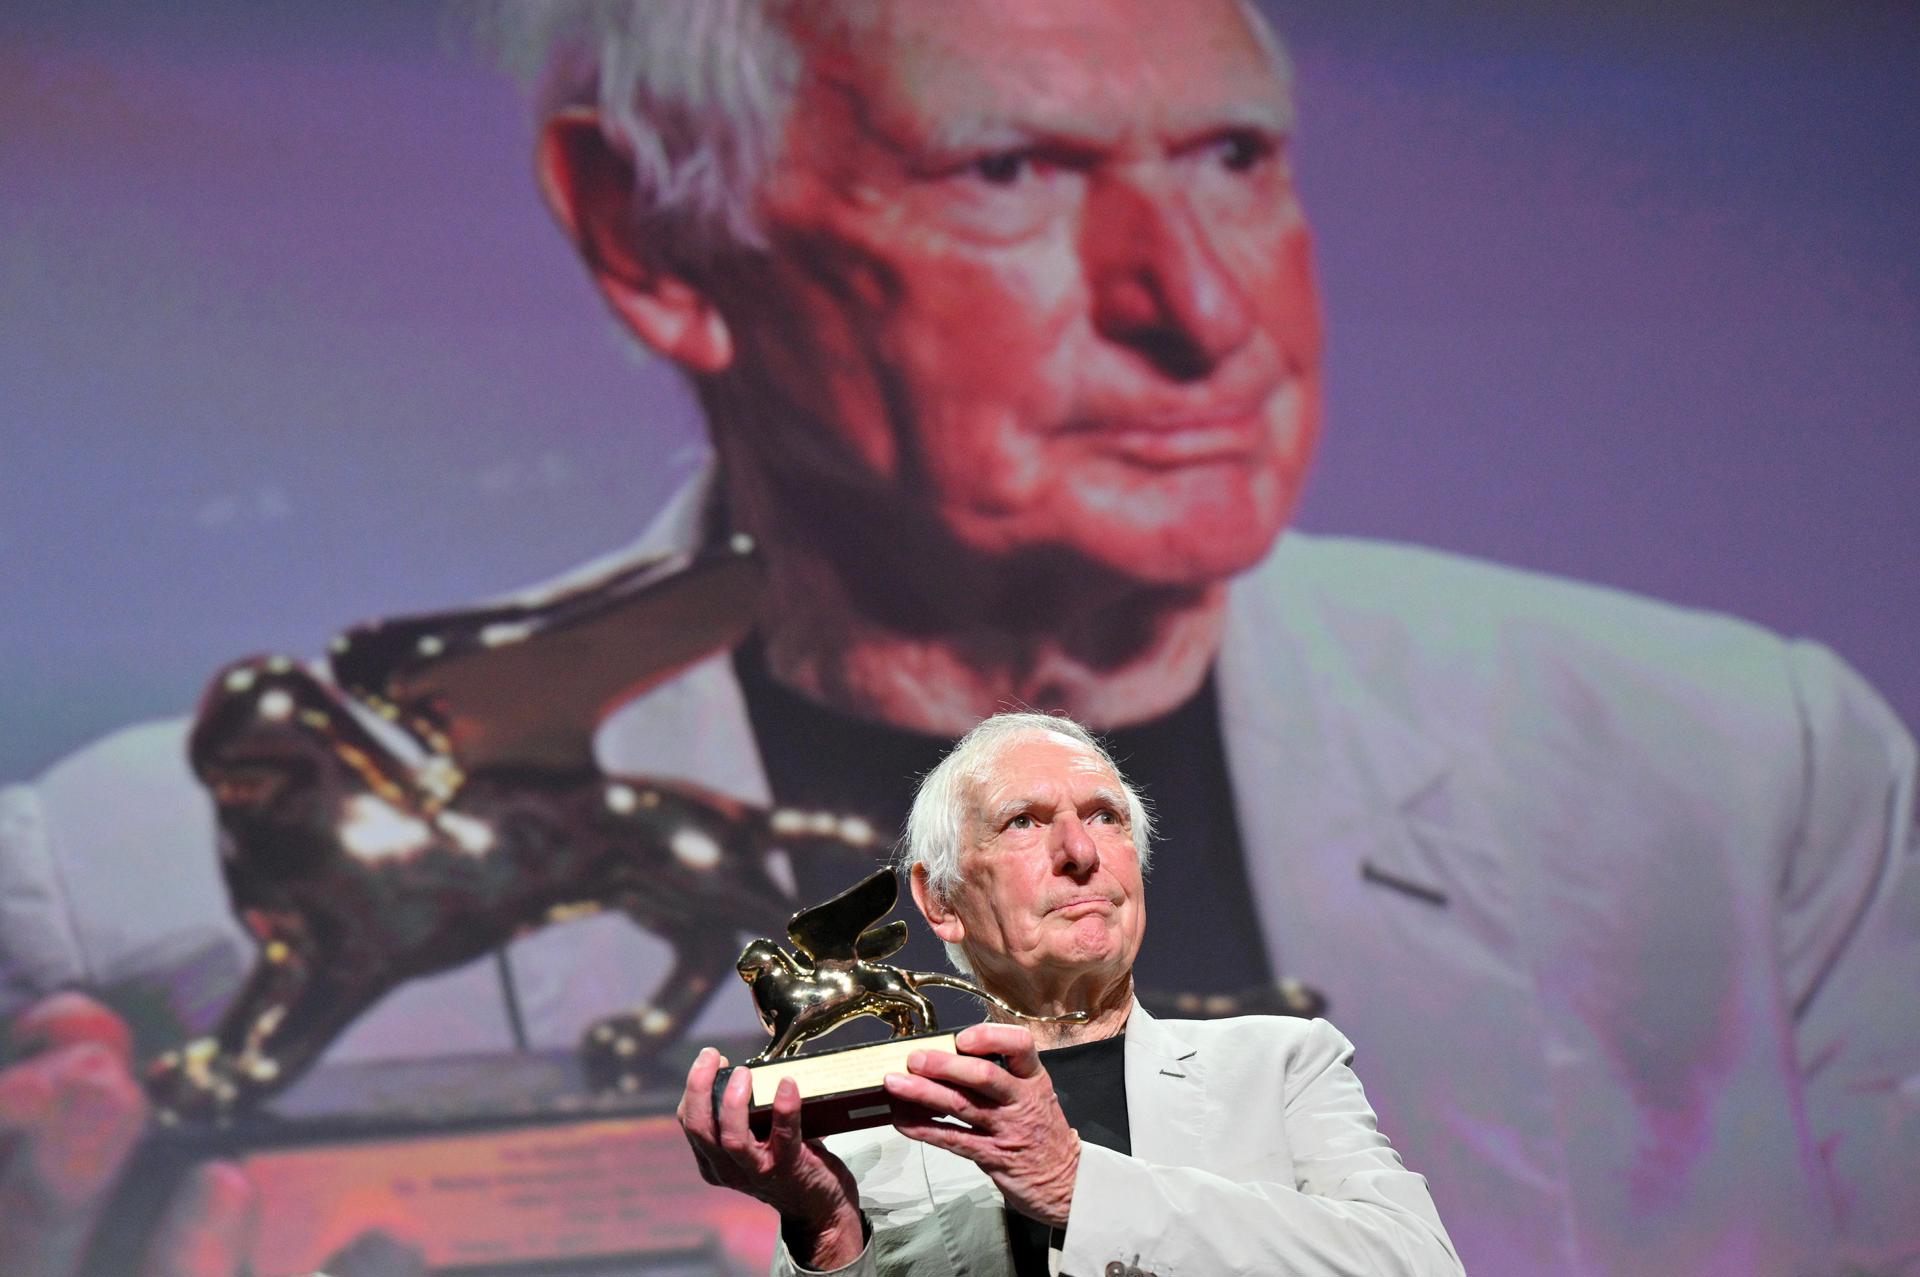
{"points": [[836, 975]]}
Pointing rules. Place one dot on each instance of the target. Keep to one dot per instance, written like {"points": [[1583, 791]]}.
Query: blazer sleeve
{"points": [[110, 881], [1352, 1209], [785, 1265], [38, 950], [1848, 945]]}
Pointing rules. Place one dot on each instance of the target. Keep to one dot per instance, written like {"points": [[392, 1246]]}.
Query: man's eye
{"points": [[1107, 815], [1003, 168], [1239, 152], [1020, 822]]}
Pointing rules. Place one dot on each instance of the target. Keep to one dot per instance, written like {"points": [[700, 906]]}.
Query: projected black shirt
{"points": [[1202, 935]]}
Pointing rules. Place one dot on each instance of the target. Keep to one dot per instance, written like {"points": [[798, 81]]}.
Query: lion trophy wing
{"points": [[527, 681], [876, 943], [833, 930]]}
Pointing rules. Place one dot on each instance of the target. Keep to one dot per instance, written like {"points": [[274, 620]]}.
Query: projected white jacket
{"points": [[1618, 902]]}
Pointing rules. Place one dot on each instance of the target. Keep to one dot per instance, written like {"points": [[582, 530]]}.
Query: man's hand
{"points": [[70, 1116], [1020, 1138], [811, 1188]]}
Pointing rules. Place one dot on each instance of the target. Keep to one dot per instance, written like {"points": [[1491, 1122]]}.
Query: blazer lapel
{"points": [[1383, 875], [1317, 757], [1166, 1111]]}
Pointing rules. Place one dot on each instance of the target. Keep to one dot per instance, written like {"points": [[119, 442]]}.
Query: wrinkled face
{"points": [[1050, 881], [1039, 270]]}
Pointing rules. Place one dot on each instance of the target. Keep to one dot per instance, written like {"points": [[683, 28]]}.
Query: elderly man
{"points": [[1230, 1146], [1003, 317]]}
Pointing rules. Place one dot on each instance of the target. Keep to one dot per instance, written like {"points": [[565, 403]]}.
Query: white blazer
{"points": [[1254, 1152]]}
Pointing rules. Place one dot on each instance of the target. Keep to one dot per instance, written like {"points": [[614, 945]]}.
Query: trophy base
{"points": [[482, 1165], [842, 1089]]}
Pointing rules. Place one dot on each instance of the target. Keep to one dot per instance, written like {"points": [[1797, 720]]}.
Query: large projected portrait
{"points": [[501, 503]]}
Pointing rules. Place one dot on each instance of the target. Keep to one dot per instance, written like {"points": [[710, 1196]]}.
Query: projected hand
{"points": [[70, 1116]]}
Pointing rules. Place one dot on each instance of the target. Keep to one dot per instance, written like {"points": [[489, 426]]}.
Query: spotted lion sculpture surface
{"points": [[407, 816]]}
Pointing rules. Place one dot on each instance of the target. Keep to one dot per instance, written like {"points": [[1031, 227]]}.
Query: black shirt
{"points": [[1090, 1080]]}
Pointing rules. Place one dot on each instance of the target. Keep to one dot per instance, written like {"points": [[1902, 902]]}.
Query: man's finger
{"points": [[208, 1228], [1010, 1040], [935, 1097], [783, 1141], [953, 1139], [72, 1117], [26, 1093], [696, 1102], [697, 1117], [969, 1071], [64, 1019], [735, 1136]]}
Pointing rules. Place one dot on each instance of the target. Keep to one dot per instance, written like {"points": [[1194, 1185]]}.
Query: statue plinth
{"points": [[504, 1163], [841, 1088]]}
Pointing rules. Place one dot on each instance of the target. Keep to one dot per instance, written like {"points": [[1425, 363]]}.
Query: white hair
{"points": [[694, 94], [946, 806]]}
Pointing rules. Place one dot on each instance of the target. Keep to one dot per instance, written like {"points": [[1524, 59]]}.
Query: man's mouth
{"points": [[1183, 436], [1080, 906]]}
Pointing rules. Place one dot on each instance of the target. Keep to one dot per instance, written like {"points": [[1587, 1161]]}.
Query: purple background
{"points": [[286, 340]]}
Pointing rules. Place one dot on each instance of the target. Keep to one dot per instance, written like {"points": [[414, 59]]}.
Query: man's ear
{"points": [[945, 922], [589, 187]]}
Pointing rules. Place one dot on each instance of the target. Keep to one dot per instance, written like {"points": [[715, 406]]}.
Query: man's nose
{"points": [[1159, 284], [1074, 851]]}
